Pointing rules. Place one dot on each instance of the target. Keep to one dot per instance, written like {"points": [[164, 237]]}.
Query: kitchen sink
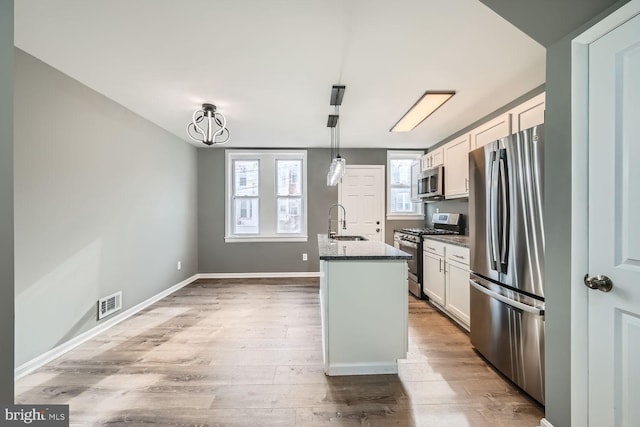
{"points": [[349, 238]]}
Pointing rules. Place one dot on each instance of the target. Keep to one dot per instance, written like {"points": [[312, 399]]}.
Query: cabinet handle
{"points": [[466, 184], [429, 247], [458, 256], [440, 265]]}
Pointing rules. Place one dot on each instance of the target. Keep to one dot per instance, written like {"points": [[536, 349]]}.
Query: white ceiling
{"points": [[269, 65]]}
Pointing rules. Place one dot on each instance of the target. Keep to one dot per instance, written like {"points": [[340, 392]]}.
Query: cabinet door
{"points": [[437, 157], [457, 296], [415, 175], [491, 131], [528, 114], [456, 168], [424, 162], [433, 278]]}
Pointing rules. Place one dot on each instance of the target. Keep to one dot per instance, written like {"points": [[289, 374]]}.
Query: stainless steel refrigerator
{"points": [[507, 257]]}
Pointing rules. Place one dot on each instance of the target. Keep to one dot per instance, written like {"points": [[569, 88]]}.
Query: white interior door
{"points": [[614, 227], [361, 192]]}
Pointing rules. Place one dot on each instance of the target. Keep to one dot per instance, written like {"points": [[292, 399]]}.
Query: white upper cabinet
{"points": [[455, 153], [432, 159], [456, 167], [491, 131], [528, 114]]}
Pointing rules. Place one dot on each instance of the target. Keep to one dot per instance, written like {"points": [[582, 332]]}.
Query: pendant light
{"points": [[337, 167]]}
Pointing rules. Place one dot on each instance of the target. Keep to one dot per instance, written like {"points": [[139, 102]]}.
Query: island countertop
{"points": [[357, 250]]}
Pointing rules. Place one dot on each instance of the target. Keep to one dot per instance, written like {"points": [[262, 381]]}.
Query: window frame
{"points": [[267, 195], [402, 155]]}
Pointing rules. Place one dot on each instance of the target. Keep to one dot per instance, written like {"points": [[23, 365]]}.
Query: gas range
{"points": [[443, 223], [414, 234], [410, 241]]}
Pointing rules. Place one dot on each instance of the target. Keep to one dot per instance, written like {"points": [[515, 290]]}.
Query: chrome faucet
{"points": [[330, 233]]}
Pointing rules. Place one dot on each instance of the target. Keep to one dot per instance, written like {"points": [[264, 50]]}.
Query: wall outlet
{"points": [[305, 257], [179, 265]]}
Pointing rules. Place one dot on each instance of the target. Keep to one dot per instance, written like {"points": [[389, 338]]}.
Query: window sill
{"points": [[272, 239], [409, 217]]}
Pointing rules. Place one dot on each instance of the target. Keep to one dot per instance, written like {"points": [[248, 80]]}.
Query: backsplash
{"points": [[450, 206]]}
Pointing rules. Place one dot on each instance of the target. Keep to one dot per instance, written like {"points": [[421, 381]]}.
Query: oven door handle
{"points": [[408, 244]]}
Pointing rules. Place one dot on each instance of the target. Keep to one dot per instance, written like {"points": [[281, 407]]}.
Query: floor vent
{"points": [[109, 305]]}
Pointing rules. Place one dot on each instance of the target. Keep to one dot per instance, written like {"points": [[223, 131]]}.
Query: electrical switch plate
{"points": [[304, 257], [179, 265]]}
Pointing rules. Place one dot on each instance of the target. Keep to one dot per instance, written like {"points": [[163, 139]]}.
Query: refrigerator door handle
{"points": [[493, 214], [508, 301], [504, 211]]}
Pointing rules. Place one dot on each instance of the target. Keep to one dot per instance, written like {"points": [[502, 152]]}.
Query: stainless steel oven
{"points": [[431, 184], [405, 242], [410, 241]]}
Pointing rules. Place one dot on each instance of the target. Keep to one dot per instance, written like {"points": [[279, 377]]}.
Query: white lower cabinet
{"points": [[433, 280], [457, 285], [434, 283], [446, 279]]}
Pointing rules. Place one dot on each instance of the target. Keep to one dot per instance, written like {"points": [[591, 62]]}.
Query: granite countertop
{"points": [[453, 240], [359, 250]]}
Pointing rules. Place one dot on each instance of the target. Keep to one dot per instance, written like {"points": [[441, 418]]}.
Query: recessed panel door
{"points": [[614, 227], [361, 192]]}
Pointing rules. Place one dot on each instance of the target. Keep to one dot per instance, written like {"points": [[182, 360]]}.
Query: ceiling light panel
{"points": [[426, 105]]}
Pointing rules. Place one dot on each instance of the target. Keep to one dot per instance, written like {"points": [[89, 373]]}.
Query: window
{"points": [[266, 196], [399, 180]]}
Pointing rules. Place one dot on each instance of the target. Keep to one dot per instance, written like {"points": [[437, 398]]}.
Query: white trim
{"points": [[293, 274], [58, 351], [369, 368], [408, 217], [235, 239], [545, 423], [579, 204]]}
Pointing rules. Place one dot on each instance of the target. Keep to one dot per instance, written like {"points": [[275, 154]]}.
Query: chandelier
{"points": [[215, 130]]}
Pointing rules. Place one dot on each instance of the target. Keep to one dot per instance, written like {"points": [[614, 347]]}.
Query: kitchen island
{"points": [[363, 305]]}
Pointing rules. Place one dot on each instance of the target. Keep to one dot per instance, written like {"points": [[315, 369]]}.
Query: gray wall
{"points": [[6, 202], [104, 201], [557, 204], [452, 206], [216, 256], [548, 21], [565, 19]]}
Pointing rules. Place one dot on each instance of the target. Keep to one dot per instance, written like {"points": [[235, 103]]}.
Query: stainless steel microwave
{"points": [[431, 184]]}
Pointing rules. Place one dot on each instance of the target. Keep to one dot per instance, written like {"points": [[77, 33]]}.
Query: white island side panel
{"points": [[365, 313]]}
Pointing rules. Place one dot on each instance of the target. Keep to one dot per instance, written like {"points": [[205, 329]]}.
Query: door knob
{"points": [[377, 230], [600, 282]]}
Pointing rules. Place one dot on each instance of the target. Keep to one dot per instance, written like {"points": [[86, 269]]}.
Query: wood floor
{"points": [[248, 353]]}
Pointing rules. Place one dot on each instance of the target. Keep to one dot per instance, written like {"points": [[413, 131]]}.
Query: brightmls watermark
{"points": [[34, 415]]}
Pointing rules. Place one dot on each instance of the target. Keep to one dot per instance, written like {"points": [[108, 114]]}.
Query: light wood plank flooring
{"points": [[248, 353]]}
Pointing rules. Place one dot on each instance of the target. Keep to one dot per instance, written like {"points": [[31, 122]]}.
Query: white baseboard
{"points": [[58, 351], [545, 423], [373, 368], [293, 274]]}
